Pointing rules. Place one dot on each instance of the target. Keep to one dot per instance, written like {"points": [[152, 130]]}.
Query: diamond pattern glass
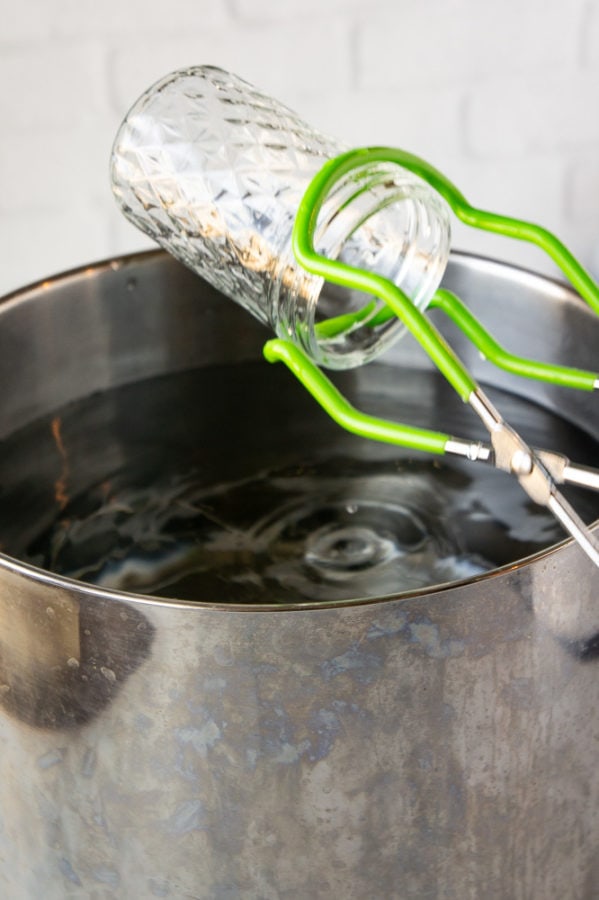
{"points": [[214, 171]]}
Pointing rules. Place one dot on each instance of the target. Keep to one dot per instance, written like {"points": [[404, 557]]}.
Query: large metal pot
{"points": [[438, 745]]}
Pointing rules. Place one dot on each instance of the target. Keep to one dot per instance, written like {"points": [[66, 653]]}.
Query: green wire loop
{"points": [[399, 304], [507, 226], [341, 273], [335, 404], [460, 315]]}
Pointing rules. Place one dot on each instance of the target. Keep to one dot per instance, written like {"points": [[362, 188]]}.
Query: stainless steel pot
{"points": [[438, 745]]}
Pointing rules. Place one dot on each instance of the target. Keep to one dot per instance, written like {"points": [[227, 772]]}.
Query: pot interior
{"points": [[148, 447]]}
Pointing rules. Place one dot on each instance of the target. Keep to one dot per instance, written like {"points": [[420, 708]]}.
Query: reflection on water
{"points": [[174, 488], [296, 534]]}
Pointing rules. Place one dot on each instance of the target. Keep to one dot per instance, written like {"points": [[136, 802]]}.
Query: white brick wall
{"points": [[503, 97], [464, 41]]}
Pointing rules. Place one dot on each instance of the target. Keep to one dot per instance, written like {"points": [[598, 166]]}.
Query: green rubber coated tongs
{"points": [[538, 471]]}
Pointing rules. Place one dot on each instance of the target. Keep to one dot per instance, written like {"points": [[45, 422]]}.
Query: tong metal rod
{"points": [[571, 522], [583, 476], [562, 470], [536, 473]]}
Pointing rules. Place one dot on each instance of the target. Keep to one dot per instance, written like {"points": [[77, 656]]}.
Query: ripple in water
{"points": [[285, 536]]}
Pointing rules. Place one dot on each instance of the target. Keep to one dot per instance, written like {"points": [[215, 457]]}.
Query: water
{"points": [[172, 487]]}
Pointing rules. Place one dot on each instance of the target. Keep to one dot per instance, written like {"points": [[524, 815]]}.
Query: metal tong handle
{"points": [[513, 455]]}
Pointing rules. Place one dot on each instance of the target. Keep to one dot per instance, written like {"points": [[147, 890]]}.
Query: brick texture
{"points": [[50, 89], [76, 19], [535, 115], [456, 42], [502, 97], [271, 57], [590, 47]]}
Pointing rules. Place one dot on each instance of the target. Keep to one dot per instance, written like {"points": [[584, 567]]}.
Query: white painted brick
{"points": [[542, 189], [55, 169], [38, 245], [584, 243], [51, 87], [591, 258], [441, 43], [524, 187], [533, 114], [581, 192], [424, 121], [89, 18], [501, 97], [590, 51], [273, 58], [277, 10], [30, 21], [529, 188], [125, 237]]}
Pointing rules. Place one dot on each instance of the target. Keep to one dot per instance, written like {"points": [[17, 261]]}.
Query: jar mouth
{"points": [[380, 219]]}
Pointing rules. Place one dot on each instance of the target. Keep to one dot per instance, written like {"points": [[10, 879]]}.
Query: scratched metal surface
{"points": [[434, 746]]}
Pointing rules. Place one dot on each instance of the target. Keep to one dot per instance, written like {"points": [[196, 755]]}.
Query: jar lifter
{"points": [[538, 471]]}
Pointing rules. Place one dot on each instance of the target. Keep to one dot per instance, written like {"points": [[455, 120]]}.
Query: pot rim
{"points": [[73, 586]]}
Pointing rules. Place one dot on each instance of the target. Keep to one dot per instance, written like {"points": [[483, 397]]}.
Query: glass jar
{"points": [[214, 171]]}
